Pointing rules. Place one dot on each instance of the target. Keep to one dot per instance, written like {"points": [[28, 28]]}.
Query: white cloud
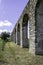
{"points": [[0, 31], [5, 23], [4, 30]]}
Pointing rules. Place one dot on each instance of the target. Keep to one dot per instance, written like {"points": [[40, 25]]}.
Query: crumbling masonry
{"points": [[33, 13]]}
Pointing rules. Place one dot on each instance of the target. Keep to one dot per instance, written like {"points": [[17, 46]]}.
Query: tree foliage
{"points": [[5, 36]]}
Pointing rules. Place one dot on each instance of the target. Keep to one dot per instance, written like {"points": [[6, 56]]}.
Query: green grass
{"points": [[15, 55], [1, 52]]}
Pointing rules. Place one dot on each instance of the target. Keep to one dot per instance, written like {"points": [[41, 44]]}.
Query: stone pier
{"points": [[33, 13]]}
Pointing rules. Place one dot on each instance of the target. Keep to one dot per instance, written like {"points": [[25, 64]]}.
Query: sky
{"points": [[10, 11]]}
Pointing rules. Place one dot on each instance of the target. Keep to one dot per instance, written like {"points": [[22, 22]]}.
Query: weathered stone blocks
{"points": [[34, 13]]}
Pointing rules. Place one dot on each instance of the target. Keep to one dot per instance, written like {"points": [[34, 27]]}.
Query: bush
{"points": [[4, 36]]}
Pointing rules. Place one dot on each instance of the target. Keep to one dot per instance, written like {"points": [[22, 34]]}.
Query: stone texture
{"points": [[34, 14], [39, 27]]}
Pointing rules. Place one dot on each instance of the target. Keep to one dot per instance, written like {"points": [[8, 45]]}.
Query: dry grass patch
{"points": [[15, 55]]}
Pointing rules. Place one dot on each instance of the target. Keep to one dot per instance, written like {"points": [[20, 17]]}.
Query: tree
{"points": [[4, 37]]}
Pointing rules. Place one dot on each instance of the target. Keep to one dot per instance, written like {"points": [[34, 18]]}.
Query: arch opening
{"points": [[18, 34], [15, 35], [39, 27], [25, 31]]}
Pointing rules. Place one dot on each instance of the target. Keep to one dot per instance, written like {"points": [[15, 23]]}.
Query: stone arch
{"points": [[18, 34], [25, 19], [15, 35], [25, 30], [39, 27]]}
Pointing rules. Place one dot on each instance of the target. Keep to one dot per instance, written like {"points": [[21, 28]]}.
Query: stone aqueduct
{"points": [[33, 13]]}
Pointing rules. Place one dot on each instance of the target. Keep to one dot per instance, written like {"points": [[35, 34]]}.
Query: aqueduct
{"points": [[33, 13]]}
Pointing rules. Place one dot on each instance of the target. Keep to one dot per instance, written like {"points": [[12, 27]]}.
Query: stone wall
{"points": [[39, 27], [36, 33]]}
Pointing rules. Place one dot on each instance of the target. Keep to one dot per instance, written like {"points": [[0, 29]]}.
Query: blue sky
{"points": [[10, 11]]}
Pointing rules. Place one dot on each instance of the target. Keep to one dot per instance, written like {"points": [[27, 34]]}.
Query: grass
{"points": [[15, 55], [1, 53]]}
